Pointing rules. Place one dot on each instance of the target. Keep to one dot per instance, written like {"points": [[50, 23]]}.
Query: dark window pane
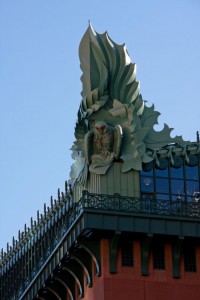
{"points": [[127, 254], [192, 172], [176, 173], [189, 254], [178, 198], [162, 185], [177, 187], [147, 173], [147, 184], [159, 256], [162, 173], [192, 187], [163, 196]]}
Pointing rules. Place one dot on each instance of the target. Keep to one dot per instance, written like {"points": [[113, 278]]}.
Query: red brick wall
{"points": [[128, 284]]}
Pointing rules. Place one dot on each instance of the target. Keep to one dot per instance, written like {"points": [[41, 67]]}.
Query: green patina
{"points": [[114, 124]]}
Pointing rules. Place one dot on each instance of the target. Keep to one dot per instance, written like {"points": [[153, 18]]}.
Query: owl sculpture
{"points": [[102, 146], [114, 124]]}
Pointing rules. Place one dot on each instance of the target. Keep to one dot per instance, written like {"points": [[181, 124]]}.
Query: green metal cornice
{"points": [[175, 154]]}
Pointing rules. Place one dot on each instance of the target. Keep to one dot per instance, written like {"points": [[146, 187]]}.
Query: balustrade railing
{"points": [[23, 261], [146, 204]]}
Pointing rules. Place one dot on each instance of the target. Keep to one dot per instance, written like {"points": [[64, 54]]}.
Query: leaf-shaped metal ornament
{"points": [[112, 108]]}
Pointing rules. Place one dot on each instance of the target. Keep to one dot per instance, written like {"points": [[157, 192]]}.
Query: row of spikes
{"points": [[53, 204]]}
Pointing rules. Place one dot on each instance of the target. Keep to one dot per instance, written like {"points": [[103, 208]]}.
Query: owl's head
{"points": [[101, 127]]}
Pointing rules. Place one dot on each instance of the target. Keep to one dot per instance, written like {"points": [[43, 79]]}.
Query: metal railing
{"points": [[23, 261], [146, 204], [25, 258]]}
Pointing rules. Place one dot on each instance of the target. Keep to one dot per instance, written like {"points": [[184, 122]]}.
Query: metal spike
{"points": [[51, 201], [19, 235], [197, 137], [13, 242], [63, 196], [7, 247], [45, 210], [31, 223], [38, 216], [66, 187], [25, 228], [59, 195]]}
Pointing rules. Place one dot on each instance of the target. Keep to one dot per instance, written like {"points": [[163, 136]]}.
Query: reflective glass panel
{"points": [[162, 173], [177, 187], [148, 173], [178, 197], [176, 173], [192, 187], [162, 185], [147, 184], [163, 197], [192, 172]]}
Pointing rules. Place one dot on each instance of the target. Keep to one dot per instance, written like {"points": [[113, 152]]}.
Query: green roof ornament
{"points": [[114, 124]]}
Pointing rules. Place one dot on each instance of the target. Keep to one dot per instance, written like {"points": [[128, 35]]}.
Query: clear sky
{"points": [[40, 85]]}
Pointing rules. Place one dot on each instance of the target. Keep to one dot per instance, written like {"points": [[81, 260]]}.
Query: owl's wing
{"points": [[89, 146], [117, 140]]}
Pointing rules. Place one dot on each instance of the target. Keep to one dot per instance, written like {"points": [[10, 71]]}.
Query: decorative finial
{"points": [[45, 210], [51, 202], [66, 187], [31, 223], [38, 216], [59, 195], [197, 137]]}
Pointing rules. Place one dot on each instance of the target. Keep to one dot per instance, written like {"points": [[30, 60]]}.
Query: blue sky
{"points": [[40, 85]]}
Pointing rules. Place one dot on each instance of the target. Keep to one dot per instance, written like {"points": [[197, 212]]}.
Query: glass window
{"points": [[159, 256], [162, 185], [192, 172], [147, 184], [163, 197], [176, 172], [190, 258], [127, 254], [178, 197], [172, 183], [192, 187], [162, 173], [177, 187], [147, 173]]}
